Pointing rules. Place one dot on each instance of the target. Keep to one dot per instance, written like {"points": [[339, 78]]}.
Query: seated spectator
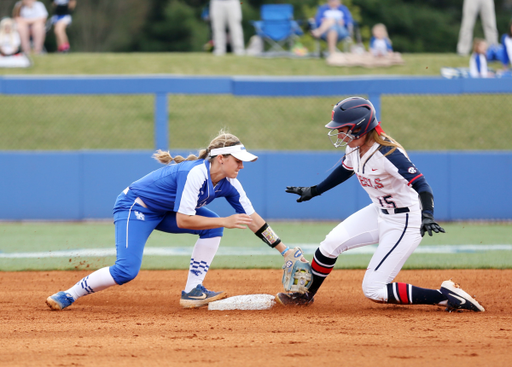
{"points": [[478, 60], [380, 44], [333, 24], [30, 17], [9, 38], [60, 20]]}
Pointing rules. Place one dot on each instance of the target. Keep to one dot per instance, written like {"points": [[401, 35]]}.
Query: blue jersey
{"points": [[187, 186]]}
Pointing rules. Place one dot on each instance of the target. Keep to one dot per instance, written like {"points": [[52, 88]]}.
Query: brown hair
{"points": [[476, 44], [386, 140], [224, 139]]}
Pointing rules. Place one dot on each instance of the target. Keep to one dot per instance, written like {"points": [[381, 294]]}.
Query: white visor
{"points": [[237, 151]]}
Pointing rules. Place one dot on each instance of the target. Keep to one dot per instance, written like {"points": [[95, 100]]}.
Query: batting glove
{"points": [[306, 193], [428, 224]]}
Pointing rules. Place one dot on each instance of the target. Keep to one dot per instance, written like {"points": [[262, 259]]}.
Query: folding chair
{"points": [[277, 29]]}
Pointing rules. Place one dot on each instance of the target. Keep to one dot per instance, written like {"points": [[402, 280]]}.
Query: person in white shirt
{"points": [[478, 61], [9, 38], [30, 17]]}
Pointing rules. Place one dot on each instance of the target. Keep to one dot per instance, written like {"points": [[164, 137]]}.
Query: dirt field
{"points": [[142, 324]]}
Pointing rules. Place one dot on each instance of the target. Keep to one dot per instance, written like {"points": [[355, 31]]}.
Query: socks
{"points": [[403, 293], [63, 48], [321, 267], [202, 256], [92, 283]]}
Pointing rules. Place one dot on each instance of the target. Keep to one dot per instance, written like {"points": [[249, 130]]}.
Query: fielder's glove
{"points": [[428, 224], [306, 193], [297, 272]]}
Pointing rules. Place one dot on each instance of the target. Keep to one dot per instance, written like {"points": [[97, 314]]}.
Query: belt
{"points": [[137, 200], [395, 211]]}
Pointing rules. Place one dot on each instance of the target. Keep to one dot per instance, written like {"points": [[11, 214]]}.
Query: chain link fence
{"points": [[102, 122]]}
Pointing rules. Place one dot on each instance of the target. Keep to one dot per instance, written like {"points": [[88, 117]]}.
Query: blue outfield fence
{"points": [[76, 185]]}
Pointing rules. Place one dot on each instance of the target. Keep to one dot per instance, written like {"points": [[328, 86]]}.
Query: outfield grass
{"points": [[48, 237], [467, 122], [207, 64]]}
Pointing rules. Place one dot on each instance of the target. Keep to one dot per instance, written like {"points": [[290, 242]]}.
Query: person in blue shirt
{"points": [[333, 23], [506, 44], [172, 199], [380, 44]]}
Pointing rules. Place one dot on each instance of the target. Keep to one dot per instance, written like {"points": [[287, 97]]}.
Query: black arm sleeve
{"points": [[339, 175], [426, 195]]}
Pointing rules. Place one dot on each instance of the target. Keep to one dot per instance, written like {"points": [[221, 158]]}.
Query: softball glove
{"points": [[296, 273]]}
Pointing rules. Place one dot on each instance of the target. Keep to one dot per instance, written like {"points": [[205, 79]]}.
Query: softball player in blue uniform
{"points": [[402, 210], [172, 199]]}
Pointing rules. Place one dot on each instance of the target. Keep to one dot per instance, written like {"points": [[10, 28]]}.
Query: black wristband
{"points": [[427, 202], [267, 235]]}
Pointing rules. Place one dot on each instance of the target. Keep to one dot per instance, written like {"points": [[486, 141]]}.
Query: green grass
{"points": [[468, 122], [431, 122], [207, 64], [47, 237]]}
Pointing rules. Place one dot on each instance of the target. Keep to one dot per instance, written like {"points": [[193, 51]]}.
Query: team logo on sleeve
{"points": [[411, 170]]}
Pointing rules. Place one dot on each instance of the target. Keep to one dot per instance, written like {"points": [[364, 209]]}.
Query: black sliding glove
{"points": [[428, 224], [306, 193]]}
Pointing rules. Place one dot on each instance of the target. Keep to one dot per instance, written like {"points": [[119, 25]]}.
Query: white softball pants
{"points": [[470, 10], [397, 236], [222, 13]]}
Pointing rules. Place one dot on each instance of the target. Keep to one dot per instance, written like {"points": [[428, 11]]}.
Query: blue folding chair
{"points": [[277, 29]]}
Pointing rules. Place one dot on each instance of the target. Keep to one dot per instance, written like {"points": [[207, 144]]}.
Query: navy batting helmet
{"points": [[356, 113]]}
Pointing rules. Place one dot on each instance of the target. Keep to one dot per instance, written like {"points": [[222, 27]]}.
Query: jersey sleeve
{"points": [[404, 167], [340, 174], [187, 191], [238, 199]]}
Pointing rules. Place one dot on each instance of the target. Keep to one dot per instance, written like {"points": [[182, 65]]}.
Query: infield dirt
{"points": [[142, 324]]}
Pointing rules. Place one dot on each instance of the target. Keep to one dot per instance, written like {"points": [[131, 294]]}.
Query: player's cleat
{"points": [[59, 301], [458, 299], [199, 296], [295, 299]]}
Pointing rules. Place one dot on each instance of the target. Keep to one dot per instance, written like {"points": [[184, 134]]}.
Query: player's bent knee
{"points": [[211, 233], [375, 292], [123, 275]]}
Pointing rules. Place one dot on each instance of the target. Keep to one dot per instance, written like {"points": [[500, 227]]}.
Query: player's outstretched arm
{"points": [[305, 193], [200, 222], [263, 231]]}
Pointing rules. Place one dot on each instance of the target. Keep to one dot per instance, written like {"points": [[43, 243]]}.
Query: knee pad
{"points": [[123, 274]]}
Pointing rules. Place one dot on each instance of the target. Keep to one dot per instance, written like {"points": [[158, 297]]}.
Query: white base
{"points": [[245, 302]]}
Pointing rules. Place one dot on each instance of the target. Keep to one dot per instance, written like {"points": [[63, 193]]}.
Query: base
{"points": [[245, 302]]}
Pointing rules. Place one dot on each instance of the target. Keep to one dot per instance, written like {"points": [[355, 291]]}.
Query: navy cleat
{"points": [[295, 299], [458, 299], [199, 296], [60, 301]]}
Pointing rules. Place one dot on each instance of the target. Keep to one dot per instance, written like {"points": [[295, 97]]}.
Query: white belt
{"points": [[137, 200]]}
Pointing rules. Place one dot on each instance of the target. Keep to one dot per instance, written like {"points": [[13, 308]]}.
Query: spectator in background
{"points": [[380, 44], [470, 10], [9, 38], [30, 17], [222, 13], [60, 20], [506, 43], [478, 60], [333, 24]]}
